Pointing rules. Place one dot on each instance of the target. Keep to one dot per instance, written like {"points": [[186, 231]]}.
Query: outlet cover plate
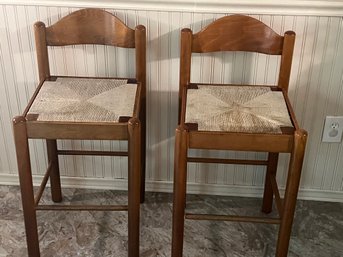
{"points": [[333, 129]]}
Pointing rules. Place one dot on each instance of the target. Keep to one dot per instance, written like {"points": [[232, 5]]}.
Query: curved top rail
{"points": [[90, 26], [237, 33]]}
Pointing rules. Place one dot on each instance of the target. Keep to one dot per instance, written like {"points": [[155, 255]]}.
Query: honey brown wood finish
{"points": [[104, 29], [87, 26], [26, 187], [140, 36], [268, 190], [238, 33]]}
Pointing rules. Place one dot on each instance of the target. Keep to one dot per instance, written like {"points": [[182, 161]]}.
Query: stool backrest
{"points": [[90, 26], [237, 33]]}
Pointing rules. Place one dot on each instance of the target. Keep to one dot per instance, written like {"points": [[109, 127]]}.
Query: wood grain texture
{"points": [[240, 141], [89, 27], [75, 130], [237, 33]]}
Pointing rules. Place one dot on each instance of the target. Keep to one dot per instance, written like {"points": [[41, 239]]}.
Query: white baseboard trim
{"points": [[167, 187], [287, 7]]}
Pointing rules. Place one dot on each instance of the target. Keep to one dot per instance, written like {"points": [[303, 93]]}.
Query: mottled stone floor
{"points": [[317, 232]]}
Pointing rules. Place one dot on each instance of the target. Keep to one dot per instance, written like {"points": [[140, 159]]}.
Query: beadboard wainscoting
{"points": [[316, 90]]}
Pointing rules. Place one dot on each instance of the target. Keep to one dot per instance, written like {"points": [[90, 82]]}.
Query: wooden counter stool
{"points": [[238, 117], [84, 108]]}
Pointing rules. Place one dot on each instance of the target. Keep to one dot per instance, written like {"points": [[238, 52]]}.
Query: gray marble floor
{"points": [[317, 232]]}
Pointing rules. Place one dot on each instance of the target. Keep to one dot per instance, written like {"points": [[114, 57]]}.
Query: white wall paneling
{"points": [[316, 91], [286, 7]]}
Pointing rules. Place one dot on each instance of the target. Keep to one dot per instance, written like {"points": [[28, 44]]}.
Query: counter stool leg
{"points": [[267, 205], [134, 129], [55, 180], [291, 192], [180, 181], [26, 187], [143, 152]]}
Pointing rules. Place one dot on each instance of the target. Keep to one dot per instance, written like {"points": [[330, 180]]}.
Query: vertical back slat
{"points": [[185, 64], [140, 45], [42, 51], [286, 60]]}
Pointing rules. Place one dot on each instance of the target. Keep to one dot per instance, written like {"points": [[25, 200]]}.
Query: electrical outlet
{"points": [[333, 129]]}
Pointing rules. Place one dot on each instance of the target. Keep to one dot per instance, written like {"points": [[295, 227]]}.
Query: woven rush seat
{"points": [[249, 109], [84, 100]]}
